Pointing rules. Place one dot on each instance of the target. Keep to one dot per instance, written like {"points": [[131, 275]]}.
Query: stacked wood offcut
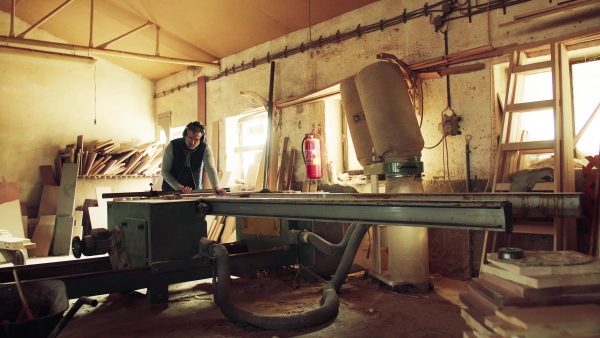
{"points": [[110, 159], [544, 294], [221, 228]]}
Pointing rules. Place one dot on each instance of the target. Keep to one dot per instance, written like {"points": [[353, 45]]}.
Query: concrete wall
{"points": [[473, 95], [46, 103]]}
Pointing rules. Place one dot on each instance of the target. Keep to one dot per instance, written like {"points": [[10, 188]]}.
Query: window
{"points": [[246, 136], [586, 98], [540, 125]]}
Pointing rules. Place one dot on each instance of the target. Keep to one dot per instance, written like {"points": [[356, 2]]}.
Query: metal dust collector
{"points": [[381, 117]]}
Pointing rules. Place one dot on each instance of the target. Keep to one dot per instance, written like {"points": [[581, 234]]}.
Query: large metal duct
{"points": [[357, 123], [389, 111], [397, 138]]}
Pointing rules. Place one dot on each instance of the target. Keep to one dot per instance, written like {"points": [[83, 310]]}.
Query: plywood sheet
{"points": [[261, 226], [536, 293], [503, 297], [68, 185], [61, 245], [544, 263], [228, 229], [9, 191], [98, 217], [571, 320], [42, 236], [49, 200], [10, 216], [544, 281], [47, 173]]}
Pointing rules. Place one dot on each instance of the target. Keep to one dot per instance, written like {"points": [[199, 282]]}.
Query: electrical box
{"points": [[157, 230], [449, 125]]}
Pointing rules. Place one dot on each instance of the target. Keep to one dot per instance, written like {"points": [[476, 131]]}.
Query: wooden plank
{"points": [[213, 231], [15, 243], [526, 17], [49, 201], [504, 328], [47, 173], [107, 167], [543, 281], [209, 223], [545, 263], [461, 69], [228, 229], [104, 144], [526, 107], [58, 169], [503, 297], [9, 191], [61, 242], [273, 178], [533, 227], [261, 226], [540, 186], [532, 68], [535, 293], [290, 171], [42, 236], [572, 320], [10, 213], [132, 162], [475, 321], [90, 162], [284, 165], [541, 146], [124, 156]]}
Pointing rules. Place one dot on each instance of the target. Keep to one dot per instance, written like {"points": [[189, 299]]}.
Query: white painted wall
{"points": [[472, 94], [45, 104]]}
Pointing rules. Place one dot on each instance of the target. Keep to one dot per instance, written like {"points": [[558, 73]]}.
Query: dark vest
{"points": [[179, 148]]}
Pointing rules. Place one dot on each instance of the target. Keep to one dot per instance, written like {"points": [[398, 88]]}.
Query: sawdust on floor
{"points": [[366, 310]]}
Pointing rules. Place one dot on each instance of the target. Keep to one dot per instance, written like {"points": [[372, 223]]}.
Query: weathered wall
{"points": [[45, 104], [472, 94]]}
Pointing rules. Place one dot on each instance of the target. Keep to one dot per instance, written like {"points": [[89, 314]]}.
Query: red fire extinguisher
{"points": [[311, 152]]}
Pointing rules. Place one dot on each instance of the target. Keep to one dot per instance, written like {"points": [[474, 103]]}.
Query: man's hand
{"points": [[186, 190], [220, 192]]}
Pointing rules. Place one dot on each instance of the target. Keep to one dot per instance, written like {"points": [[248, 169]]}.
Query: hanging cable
{"points": [[95, 95]]}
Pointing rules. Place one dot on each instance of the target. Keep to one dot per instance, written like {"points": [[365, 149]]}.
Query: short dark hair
{"points": [[195, 127]]}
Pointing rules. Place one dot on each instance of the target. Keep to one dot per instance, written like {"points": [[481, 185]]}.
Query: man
{"points": [[184, 158]]}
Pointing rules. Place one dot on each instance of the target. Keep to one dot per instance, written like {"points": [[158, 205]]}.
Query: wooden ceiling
{"points": [[199, 30]]}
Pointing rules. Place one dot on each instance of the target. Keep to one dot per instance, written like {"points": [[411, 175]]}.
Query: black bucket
{"points": [[47, 301]]}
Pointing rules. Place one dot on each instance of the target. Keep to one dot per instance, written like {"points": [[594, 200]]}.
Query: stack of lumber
{"points": [[221, 228], [285, 174], [97, 159], [543, 294]]}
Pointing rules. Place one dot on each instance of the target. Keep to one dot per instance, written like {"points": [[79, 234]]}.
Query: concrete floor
{"points": [[366, 310]]}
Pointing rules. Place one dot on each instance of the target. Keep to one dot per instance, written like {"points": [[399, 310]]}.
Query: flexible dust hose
{"points": [[307, 237], [329, 302]]}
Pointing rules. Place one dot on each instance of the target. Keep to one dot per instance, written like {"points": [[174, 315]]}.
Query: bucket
{"points": [[47, 301]]}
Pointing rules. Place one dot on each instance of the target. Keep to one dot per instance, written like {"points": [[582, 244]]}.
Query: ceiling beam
{"points": [[104, 45], [12, 18], [117, 53], [44, 19], [45, 54]]}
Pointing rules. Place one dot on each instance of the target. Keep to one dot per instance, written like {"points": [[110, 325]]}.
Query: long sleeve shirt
{"points": [[207, 160]]}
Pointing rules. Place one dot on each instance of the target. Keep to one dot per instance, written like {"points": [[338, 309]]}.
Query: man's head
{"points": [[194, 134]]}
